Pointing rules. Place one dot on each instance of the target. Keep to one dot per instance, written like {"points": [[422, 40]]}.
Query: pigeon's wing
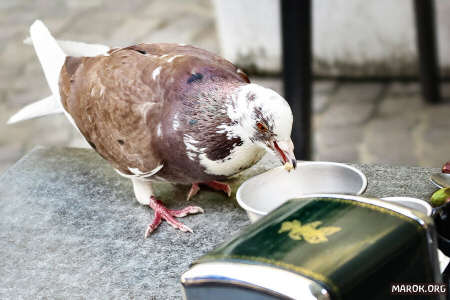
{"points": [[118, 100], [115, 109]]}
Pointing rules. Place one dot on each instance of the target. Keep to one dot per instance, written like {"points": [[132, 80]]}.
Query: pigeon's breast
{"points": [[194, 142], [240, 158], [203, 156]]}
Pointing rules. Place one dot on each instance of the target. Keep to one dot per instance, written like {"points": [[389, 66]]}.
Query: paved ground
{"points": [[357, 122]]}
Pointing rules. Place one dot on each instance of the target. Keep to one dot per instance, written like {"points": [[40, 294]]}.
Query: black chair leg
{"points": [[297, 46], [427, 51]]}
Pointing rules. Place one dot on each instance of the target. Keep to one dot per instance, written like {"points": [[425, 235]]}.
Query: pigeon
{"points": [[162, 113]]}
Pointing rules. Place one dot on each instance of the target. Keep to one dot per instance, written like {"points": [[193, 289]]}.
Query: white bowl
{"points": [[263, 193]]}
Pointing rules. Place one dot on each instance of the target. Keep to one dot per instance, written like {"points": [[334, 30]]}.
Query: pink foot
{"points": [[193, 191], [170, 215], [220, 186], [215, 185]]}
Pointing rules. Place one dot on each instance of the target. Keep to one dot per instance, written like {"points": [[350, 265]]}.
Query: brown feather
{"points": [[118, 103]]}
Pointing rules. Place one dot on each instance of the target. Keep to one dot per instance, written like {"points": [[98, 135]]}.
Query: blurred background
{"points": [[367, 101]]}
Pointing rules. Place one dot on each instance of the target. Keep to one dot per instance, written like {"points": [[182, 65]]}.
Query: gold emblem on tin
{"points": [[309, 231]]}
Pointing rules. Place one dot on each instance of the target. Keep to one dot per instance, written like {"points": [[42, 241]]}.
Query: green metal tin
{"points": [[353, 247]]}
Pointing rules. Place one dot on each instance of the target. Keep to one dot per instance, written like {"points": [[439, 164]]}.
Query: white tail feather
{"points": [[49, 53], [72, 48], [52, 54], [40, 108]]}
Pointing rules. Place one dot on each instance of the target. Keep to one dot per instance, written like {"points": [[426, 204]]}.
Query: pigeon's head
{"points": [[262, 117]]}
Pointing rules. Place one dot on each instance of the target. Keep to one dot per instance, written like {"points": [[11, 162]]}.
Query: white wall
{"points": [[249, 32], [351, 37]]}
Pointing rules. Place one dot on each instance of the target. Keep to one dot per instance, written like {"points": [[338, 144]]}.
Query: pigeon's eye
{"points": [[261, 127]]}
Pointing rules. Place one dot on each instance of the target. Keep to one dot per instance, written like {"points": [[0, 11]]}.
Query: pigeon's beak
{"points": [[285, 151]]}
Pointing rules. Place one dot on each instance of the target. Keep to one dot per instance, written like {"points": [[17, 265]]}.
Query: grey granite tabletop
{"points": [[70, 227]]}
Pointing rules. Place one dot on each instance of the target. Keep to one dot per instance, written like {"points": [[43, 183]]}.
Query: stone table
{"points": [[69, 226]]}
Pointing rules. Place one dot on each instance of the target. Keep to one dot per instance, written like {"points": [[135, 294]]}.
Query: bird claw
{"points": [[215, 185], [220, 186], [170, 215], [189, 210], [182, 227], [193, 191]]}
